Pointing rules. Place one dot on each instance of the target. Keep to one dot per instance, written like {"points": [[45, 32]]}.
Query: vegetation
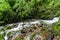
{"points": [[1, 37], [18, 38], [32, 36], [56, 27], [17, 10], [6, 12]]}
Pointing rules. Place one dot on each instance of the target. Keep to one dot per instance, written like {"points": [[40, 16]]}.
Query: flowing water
{"points": [[22, 25]]}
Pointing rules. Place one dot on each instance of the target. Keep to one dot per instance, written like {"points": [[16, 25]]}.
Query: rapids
{"points": [[22, 25]]}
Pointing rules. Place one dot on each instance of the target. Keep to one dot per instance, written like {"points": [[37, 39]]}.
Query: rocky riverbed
{"points": [[32, 30]]}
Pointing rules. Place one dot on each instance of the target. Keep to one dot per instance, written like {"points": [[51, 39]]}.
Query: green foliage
{"points": [[9, 34], [11, 2], [16, 10], [4, 6], [23, 8], [1, 37], [43, 9], [1, 15], [47, 9], [9, 16], [6, 12], [56, 27]]}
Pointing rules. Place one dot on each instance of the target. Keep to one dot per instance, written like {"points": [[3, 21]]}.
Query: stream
{"points": [[22, 25]]}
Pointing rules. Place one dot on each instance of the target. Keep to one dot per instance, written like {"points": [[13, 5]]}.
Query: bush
{"points": [[1, 16], [56, 27], [16, 10], [9, 16], [11, 2], [43, 9], [6, 12]]}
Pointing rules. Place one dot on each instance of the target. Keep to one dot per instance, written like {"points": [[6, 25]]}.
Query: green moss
{"points": [[44, 29], [18, 38], [1, 37], [9, 34]]}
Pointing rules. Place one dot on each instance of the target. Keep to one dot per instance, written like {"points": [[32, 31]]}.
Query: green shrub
{"points": [[1, 16], [11, 2], [16, 10], [6, 12], [43, 9], [56, 27]]}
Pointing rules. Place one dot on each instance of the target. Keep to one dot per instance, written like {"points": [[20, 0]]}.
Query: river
{"points": [[22, 25]]}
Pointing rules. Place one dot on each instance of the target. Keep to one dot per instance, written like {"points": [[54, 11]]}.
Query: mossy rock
{"points": [[32, 36], [18, 38], [1, 37], [9, 34]]}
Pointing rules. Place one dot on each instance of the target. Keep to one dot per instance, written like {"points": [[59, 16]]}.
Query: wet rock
{"points": [[56, 37]]}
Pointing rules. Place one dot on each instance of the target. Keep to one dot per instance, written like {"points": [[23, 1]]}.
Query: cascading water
{"points": [[22, 25]]}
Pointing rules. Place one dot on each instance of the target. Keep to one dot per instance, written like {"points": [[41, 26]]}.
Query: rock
{"points": [[56, 37]]}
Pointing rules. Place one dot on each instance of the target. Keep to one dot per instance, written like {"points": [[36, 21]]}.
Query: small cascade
{"points": [[56, 19], [22, 25], [6, 37]]}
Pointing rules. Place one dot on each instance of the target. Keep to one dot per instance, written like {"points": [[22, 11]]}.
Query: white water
{"points": [[38, 36], [1, 27], [51, 21], [6, 37], [28, 37], [29, 24]]}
